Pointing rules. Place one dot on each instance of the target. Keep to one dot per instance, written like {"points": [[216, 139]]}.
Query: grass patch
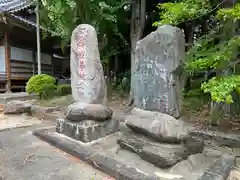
{"points": [[57, 101]]}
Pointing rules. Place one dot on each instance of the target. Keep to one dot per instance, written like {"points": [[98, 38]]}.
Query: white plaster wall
{"points": [[21, 54], [26, 55], [2, 60]]}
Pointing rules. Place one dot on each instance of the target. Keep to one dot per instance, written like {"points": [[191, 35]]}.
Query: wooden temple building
{"points": [[18, 46]]}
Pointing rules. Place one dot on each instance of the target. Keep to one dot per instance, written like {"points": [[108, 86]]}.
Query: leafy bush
{"points": [[64, 89], [42, 85], [48, 91]]}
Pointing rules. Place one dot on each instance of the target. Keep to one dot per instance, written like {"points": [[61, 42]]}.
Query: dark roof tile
{"points": [[14, 5]]}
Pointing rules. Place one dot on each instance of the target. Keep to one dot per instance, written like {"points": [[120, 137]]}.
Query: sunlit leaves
{"points": [[230, 13], [178, 12], [221, 88], [213, 57], [216, 50]]}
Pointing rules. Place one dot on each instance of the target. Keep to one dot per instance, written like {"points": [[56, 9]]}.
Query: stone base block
{"points": [[87, 130], [159, 154], [220, 169]]}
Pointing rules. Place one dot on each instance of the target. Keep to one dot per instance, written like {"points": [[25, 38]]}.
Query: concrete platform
{"points": [[105, 155]]}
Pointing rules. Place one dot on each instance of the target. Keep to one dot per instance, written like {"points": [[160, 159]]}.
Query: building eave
{"points": [[13, 6], [30, 23], [10, 7]]}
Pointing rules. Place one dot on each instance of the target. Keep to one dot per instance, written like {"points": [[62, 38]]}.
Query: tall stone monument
{"points": [[87, 78], [154, 133], [86, 119], [158, 81]]}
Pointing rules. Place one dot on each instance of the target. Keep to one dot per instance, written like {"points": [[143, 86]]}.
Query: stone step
{"points": [[223, 139], [220, 169], [159, 154]]}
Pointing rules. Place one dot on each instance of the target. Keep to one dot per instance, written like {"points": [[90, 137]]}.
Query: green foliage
{"points": [[42, 85], [221, 88], [194, 100], [62, 16], [231, 13], [64, 89], [47, 91], [178, 12], [216, 49], [201, 57]]}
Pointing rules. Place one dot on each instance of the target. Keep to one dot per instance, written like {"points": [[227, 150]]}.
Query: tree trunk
{"points": [[116, 68], [137, 27]]}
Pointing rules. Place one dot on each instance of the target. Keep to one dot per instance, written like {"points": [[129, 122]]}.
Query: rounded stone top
{"points": [[84, 26], [169, 29]]}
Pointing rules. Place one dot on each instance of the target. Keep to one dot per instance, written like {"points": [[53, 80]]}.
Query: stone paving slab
{"points": [[25, 157], [16, 121], [235, 174]]}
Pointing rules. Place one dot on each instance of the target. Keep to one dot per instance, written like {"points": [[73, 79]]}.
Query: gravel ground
{"points": [[25, 157]]}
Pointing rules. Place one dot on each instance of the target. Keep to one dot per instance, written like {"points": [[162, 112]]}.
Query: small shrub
{"points": [[64, 89], [48, 91], [42, 85]]}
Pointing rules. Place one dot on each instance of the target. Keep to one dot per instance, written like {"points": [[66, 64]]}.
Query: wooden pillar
{"points": [[7, 61]]}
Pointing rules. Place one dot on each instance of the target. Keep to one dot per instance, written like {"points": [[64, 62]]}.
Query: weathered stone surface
{"points": [[164, 156], [16, 107], [132, 173], [160, 126], [220, 169], [168, 176], [88, 130], [81, 111], [87, 77], [223, 139], [161, 155], [194, 145], [157, 71]]}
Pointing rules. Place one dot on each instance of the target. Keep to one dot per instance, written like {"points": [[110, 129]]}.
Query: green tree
{"points": [[62, 16], [109, 17], [216, 48]]}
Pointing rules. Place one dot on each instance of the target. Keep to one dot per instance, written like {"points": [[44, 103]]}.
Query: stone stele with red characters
{"points": [[87, 77]]}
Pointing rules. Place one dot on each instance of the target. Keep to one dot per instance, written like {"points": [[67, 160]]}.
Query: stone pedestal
{"points": [[87, 119], [87, 130], [162, 155], [159, 138]]}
